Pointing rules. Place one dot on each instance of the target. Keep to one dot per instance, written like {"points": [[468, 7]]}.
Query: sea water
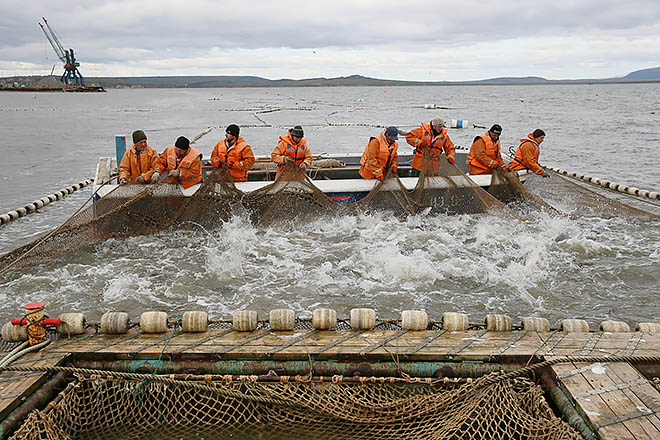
{"points": [[594, 267]]}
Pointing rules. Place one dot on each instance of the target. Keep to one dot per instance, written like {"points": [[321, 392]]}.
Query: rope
{"points": [[489, 380], [526, 370], [13, 352], [46, 237], [606, 184], [11, 357], [40, 203], [140, 388], [150, 377]]}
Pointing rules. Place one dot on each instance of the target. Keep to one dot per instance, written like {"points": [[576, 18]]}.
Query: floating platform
{"points": [[605, 390]]}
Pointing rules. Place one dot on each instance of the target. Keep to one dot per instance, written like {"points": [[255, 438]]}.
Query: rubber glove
{"points": [[123, 181], [140, 179], [288, 159], [303, 166], [173, 173], [155, 177], [451, 159]]}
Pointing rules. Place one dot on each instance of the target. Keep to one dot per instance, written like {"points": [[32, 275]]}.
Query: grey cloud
{"points": [[117, 31]]}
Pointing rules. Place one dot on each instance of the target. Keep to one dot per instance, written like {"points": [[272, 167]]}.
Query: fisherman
{"points": [[428, 141], [234, 153], [182, 163], [527, 154], [484, 155], [380, 155], [292, 150], [139, 162]]}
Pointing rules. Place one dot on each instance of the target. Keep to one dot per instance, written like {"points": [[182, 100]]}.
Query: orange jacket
{"points": [[527, 156], [425, 142], [484, 155], [378, 158], [239, 156], [286, 147], [137, 163], [190, 166]]}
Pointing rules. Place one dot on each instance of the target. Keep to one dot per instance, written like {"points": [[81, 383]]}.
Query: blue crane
{"points": [[71, 75]]}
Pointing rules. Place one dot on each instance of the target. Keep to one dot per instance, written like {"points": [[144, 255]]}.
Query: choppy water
{"points": [[594, 267]]}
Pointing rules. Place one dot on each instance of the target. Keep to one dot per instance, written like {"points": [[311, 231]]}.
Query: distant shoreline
{"points": [[207, 82]]}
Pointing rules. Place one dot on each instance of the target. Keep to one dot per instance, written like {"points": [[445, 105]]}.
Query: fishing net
{"points": [[444, 188], [506, 186], [388, 194], [581, 201], [297, 407], [294, 197], [291, 198]]}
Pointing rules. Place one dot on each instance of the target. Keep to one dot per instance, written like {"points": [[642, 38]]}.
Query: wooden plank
{"points": [[592, 408], [611, 404], [642, 395], [550, 343]]}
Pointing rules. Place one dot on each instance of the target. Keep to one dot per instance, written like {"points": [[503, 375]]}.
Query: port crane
{"points": [[71, 75]]}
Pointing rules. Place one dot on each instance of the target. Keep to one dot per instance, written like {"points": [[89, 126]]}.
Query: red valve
{"points": [[46, 321]]}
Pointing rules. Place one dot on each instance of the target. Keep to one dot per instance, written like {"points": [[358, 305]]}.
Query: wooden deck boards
{"points": [[615, 399]]}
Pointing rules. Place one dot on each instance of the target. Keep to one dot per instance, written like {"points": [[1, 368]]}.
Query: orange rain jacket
{"points": [[239, 156], [137, 163], [190, 166], [378, 158], [527, 156], [425, 142], [299, 152], [484, 155]]}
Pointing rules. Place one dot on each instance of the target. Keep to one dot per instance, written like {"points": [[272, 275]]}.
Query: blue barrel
{"points": [[120, 147]]}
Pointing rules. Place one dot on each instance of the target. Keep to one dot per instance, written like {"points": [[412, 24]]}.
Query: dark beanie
{"points": [[496, 128], [233, 130], [538, 133], [297, 131], [182, 143], [138, 135]]}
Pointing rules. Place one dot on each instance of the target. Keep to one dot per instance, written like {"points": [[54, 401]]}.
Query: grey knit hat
{"points": [[297, 131]]}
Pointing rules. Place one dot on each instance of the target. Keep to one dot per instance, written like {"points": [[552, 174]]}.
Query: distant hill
{"points": [[352, 80], [652, 73], [644, 75]]}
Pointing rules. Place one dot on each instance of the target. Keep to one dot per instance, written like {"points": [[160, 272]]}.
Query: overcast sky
{"points": [[412, 40]]}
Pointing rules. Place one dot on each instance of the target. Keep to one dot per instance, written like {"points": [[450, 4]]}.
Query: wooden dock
{"points": [[617, 400]]}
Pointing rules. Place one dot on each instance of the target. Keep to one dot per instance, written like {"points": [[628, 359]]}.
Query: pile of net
{"points": [[379, 409]]}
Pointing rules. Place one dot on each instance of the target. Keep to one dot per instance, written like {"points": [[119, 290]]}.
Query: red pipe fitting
{"points": [[46, 321]]}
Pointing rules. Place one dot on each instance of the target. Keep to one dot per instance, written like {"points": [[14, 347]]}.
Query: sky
{"points": [[404, 40]]}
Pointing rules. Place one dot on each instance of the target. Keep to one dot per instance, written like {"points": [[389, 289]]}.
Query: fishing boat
{"points": [[337, 176]]}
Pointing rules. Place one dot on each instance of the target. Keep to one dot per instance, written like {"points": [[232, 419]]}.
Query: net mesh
{"points": [[108, 408], [131, 210], [581, 201], [442, 187]]}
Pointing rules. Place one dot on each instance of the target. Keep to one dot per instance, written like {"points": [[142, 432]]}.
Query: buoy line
{"points": [[607, 184], [40, 203]]}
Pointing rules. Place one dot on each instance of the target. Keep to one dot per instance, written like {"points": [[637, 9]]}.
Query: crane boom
{"points": [[71, 73], [54, 41]]}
